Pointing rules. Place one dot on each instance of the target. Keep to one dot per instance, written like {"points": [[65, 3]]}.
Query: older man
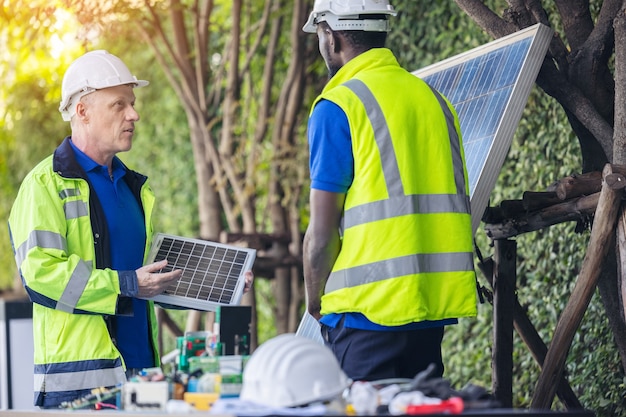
{"points": [[81, 226]]}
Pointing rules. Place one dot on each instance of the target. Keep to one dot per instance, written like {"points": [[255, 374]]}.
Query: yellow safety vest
{"points": [[56, 250], [407, 244]]}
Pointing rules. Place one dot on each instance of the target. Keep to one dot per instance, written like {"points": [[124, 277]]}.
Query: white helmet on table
{"points": [[350, 15], [93, 71], [290, 370]]}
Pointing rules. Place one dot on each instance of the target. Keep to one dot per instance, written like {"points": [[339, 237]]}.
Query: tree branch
{"points": [[619, 140], [589, 64], [571, 98], [180, 52], [490, 22], [571, 210], [258, 36], [203, 13], [577, 22]]}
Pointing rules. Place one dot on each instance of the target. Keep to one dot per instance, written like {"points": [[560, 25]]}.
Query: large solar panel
{"points": [[489, 88], [213, 273]]}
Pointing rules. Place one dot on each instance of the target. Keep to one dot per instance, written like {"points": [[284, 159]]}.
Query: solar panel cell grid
{"points": [[213, 274]]}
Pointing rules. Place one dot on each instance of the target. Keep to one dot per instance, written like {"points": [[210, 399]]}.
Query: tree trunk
{"points": [[286, 179], [616, 291], [209, 210]]}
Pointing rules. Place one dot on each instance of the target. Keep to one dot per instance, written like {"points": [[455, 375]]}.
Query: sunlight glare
{"points": [[63, 39]]}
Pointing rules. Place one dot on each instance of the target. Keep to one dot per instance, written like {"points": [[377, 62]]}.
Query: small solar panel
{"points": [[213, 273], [310, 327], [489, 87]]}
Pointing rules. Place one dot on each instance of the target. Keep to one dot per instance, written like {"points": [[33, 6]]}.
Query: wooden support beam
{"points": [[504, 283], [579, 184], [570, 210], [536, 200], [602, 231]]}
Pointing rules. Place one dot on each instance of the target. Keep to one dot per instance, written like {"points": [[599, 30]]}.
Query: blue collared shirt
{"points": [[126, 226]]}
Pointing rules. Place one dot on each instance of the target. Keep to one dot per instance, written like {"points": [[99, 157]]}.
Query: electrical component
{"points": [[145, 396]]}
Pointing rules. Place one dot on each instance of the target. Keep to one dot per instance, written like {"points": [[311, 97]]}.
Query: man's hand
{"points": [[151, 283], [249, 276], [314, 310]]}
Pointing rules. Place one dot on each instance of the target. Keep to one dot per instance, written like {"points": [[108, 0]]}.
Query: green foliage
{"points": [[36, 51], [266, 306]]}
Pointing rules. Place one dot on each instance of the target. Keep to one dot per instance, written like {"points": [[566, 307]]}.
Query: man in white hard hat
{"points": [[388, 253], [80, 227]]}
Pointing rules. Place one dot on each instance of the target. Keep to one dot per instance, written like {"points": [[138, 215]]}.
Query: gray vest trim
{"points": [[75, 287], [397, 267], [381, 135], [42, 239], [75, 209], [69, 192], [455, 144], [405, 205], [73, 381]]}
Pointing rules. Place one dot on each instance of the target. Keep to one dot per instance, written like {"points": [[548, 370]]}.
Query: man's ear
{"points": [[81, 111], [335, 42], [333, 39]]}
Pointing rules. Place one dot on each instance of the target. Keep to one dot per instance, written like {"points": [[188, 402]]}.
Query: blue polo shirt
{"points": [[331, 167], [126, 226]]}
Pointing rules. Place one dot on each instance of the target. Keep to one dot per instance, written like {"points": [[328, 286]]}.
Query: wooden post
{"points": [[621, 246], [504, 283], [531, 338], [602, 231], [619, 141]]}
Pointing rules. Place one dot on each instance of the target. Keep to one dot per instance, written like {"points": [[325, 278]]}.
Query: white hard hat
{"points": [[350, 15], [93, 71], [290, 370]]}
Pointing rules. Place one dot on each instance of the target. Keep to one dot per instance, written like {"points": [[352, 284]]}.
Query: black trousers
{"points": [[366, 355]]}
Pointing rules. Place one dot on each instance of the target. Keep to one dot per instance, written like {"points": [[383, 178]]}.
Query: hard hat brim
{"points": [[140, 83], [310, 26]]}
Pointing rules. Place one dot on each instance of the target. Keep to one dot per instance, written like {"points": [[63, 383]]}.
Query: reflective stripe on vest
{"points": [[75, 209], [42, 239], [399, 204], [57, 377], [79, 278], [75, 287], [69, 192], [397, 267]]}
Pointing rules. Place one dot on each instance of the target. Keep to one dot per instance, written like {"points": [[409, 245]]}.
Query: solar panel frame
{"points": [[461, 81], [213, 273]]}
